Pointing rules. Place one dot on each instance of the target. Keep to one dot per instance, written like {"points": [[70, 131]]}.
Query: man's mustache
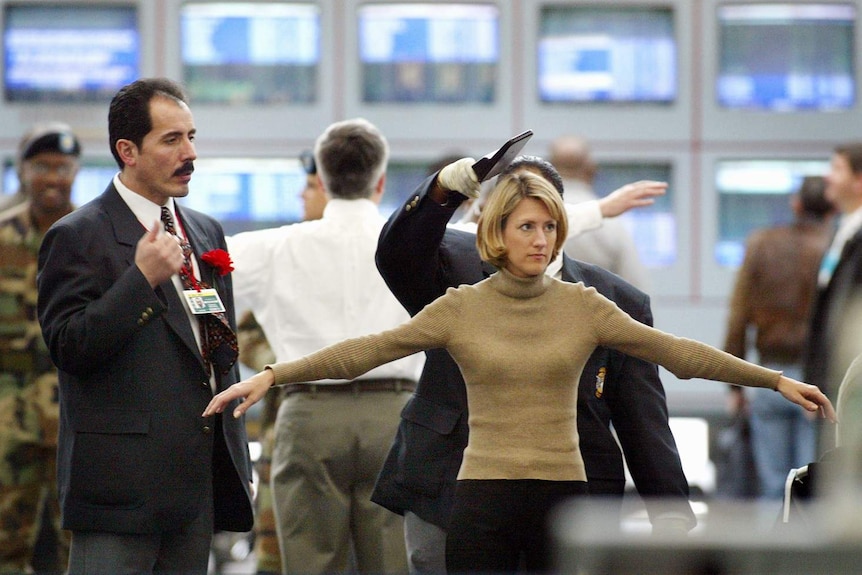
{"points": [[186, 168]]}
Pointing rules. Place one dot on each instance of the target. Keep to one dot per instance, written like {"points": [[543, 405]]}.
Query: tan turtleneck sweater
{"points": [[521, 345]]}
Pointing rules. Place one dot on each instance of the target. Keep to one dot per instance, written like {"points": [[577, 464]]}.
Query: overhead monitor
{"points": [[69, 52], [250, 53], [619, 53], [786, 57], [653, 228], [755, 194], [429, 53], [248, 193]]}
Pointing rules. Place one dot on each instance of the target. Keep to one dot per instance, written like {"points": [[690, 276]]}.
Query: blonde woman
{"points": [[521, 340]]}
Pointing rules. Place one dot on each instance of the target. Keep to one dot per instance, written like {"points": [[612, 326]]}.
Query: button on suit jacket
{"points": [[135, 455]]}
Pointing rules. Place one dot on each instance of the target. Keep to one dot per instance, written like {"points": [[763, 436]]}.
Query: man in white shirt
{"points": [[309, 285], [611, 246]]}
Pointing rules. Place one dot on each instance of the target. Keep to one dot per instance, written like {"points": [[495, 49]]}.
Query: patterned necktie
{"points": [[218, 340]]}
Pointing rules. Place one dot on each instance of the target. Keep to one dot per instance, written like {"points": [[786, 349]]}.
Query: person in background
{"points": [[144, 480], [46, 166], [310, 284], [255, 352], [419, 256], [772, 299], [313, 195], [511, 336], [610, 247], [834, 337]]}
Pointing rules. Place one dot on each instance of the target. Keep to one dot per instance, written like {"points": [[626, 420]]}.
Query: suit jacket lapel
{"points": [[571, 271], [201, 244], [127, 231]]}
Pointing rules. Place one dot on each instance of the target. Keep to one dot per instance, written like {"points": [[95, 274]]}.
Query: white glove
{"points": [[460, 177]]}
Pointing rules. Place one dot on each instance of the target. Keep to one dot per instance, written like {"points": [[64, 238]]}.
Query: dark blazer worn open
{"points": [[135, 455]]}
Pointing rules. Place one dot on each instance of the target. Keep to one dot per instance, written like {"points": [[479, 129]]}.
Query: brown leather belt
{"points": [[356, 386]]}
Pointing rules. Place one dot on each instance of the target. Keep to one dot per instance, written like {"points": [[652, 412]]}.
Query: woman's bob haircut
{"points": [[505, 197]]}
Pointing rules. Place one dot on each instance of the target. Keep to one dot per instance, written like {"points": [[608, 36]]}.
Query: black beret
{"points": [[55, 138]]}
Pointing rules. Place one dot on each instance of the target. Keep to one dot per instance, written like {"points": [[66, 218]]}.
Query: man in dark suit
{"points": [[144, 480], [419, 257], [834, 336]]}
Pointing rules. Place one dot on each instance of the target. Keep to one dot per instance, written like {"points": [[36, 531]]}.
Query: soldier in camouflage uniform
{"points": [[47, 165]]}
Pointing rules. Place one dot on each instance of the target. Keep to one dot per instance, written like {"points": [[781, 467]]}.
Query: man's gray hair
{"points": [[351, 156]]}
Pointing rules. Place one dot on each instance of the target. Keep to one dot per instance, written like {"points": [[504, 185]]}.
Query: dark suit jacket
{"points": [[833, 305], [420, 258], [135, 455]]}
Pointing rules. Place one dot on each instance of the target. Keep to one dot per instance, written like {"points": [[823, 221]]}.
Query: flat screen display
{"points": [[786, 57], [69, 52], [250, 53], [653, 228], [429, 53], [616, 53], [248, 193], [755, 194]]}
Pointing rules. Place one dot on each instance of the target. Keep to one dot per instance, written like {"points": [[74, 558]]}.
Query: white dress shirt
{"points": [[847, 228], [315, 283]]}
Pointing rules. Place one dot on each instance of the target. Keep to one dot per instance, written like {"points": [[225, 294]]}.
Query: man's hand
{"points": [[250, 390], [460, 177], [158, 255], [630, 196]]}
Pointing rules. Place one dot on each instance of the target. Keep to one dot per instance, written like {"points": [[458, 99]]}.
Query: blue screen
{"points": [[241, 53], [433, 53], [786, 57], [614, 54], [69, 53]]}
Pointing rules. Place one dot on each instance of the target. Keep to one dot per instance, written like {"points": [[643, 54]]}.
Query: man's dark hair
{"points": [[129, 112], [538, 165], [812, 197], [852, 152]]}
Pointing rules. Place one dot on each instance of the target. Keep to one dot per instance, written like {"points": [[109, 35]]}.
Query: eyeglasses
{"points": [[306, 158], [62, 170]]}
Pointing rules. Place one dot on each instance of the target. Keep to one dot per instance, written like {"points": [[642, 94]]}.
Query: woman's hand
{"points": [[808, 396], [250, 391]]}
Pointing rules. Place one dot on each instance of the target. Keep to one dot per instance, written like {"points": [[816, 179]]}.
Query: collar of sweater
{"points": [[520, 288]]}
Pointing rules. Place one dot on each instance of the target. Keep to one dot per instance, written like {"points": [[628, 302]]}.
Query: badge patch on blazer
{"points": [[600, 381]]}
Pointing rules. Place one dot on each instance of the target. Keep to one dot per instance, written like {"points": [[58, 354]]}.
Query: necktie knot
{"points": [[168, 220]]}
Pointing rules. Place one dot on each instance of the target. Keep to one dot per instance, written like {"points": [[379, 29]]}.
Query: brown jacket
{"points": [[775, 289]]}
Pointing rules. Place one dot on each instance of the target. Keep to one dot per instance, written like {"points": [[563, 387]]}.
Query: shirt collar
{"points": [[555, 268], [340, 208], [146, 211]]}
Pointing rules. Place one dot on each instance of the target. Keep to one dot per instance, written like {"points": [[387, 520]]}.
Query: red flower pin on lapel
{"points": [[220, 260]]}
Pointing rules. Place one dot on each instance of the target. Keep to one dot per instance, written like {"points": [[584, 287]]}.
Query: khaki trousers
{"points": [[329, 448]]}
